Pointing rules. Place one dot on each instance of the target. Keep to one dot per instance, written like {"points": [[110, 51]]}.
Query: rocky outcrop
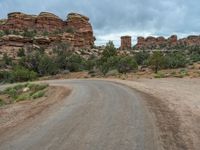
{"points": [[84, 30], [162, 43], [76, 30], [126, 43]]}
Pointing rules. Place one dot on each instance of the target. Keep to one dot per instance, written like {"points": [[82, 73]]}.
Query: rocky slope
{"points": [[20, 30]]}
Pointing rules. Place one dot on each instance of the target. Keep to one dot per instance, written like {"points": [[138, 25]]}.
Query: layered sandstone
{"points": [[75, 31], [126, 43], [163, 43]]}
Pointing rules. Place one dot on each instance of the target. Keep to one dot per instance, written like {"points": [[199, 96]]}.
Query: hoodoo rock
{"points": [[126, 43], [48, 28]]}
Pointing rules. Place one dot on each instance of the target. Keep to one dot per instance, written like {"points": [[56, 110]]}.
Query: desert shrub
{"points": [[141, 57], [127, 64], [45, 33], [29, 33], [156, 61], [2, 33], [12, 92], [6, 77], [90, 64], [61, 48], [21, 74], [75, 63], [195, 57], [31, 61], [47, 66], [7, 32], [69, 30], [110, 50], [194, 53], [174, 60], [21, 52], [7, 60]]}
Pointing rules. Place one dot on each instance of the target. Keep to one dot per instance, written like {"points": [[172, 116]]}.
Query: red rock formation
{"points": [[83, 28], [81, 36], [126, 43], [171, 42], [48, 22]]}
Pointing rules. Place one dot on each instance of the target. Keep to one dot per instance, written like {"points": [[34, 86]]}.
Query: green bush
{"points": [[21, 52], [6, 77], [21, 74], [75, 63], [156, 61], [110, 50], [12, 92], [29, 33], [7, 60], [141, 57], [174, 60], [47, 66], [127, 64]]}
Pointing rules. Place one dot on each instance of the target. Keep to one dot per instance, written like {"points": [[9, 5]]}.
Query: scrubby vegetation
{"points": [[36, 63], [21, 92]]}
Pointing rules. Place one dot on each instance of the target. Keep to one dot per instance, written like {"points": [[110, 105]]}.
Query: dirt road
{"points": [[98, 115]]}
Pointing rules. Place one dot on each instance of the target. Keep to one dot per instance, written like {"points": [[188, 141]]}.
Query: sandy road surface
{"points": [[176, 106], [98, 115]]}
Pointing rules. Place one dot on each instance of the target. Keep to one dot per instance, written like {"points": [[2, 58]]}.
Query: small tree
{"points": [[110, 50], [127, 64], [156, 61]]}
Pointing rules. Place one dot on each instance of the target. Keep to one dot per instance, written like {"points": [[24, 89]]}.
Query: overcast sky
{"points": [[113, 18]]}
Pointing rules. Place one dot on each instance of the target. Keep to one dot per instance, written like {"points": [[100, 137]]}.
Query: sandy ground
{"points": [[14, 114], [176, 106]]}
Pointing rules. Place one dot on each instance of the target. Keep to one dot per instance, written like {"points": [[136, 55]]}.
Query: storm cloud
{"points": [[111, 19]]}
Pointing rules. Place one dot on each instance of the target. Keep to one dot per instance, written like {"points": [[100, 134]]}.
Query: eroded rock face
{"points": [[83, 28], [126, 43], [75, 31], [171, 42]]}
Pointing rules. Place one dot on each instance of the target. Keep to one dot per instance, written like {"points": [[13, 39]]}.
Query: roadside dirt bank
{"points": [[14, 114], [175, 103]]}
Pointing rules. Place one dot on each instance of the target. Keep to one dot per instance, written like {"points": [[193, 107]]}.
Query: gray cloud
{"points": [[111, 19]]}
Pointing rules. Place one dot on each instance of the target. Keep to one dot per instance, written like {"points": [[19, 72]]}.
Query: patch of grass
{"points": [[12, 92], [38, 94], [17, 92], [160, 75], [37, 87], [23, 96]]}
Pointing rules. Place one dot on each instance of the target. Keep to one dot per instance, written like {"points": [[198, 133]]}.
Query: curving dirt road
{"points": [[98, 115]]}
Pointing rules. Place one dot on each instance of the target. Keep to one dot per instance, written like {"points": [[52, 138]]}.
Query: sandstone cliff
{"points": [[46, 29]]}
